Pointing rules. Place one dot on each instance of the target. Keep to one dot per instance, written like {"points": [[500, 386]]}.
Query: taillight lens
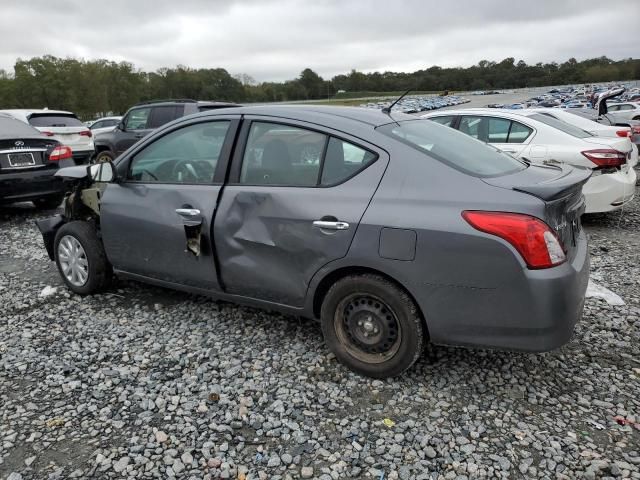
{"points": [[60, 153], [606, 157], [48, 134], [85, 133], [623, 133], [530, 236]]}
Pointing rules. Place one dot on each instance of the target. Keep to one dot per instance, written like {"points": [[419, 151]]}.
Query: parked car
{"points": [[606, 119], [28, 161], [623, 112], [543, 139], [382, 226], [62, 126], [142, 119], [104, 124]]}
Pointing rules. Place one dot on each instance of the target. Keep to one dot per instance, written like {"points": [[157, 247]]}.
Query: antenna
{"points": [[387, 110]]}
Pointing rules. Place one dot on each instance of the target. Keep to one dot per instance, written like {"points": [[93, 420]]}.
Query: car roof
{"points": [[316, 113], [30, 111]]}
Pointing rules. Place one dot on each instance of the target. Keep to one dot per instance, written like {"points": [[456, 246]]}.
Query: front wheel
{"points": [[81, 259], [372, 326], [104, 156]]}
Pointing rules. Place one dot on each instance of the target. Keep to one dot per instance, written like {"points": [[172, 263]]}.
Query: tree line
{"points": [[95, 87]]}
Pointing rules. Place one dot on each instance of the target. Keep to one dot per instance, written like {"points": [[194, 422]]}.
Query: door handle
{"points": [[328, 225], [188, 212]]}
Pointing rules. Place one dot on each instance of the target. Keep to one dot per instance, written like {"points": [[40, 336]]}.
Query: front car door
{"points": [[135, 128], [156, 222], [295, 197]]}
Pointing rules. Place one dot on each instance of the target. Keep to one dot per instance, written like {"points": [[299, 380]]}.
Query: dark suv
{"points": [[142, 119]]}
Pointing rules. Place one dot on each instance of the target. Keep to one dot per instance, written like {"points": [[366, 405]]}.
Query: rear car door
{"points": [[294, 199], [156, 222], [135, 128]]}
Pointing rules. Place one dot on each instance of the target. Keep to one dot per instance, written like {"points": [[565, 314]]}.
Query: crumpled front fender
{"points": [[48, 228]]}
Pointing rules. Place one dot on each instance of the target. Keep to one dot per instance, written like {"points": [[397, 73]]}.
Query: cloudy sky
{"points": [[276, 39]]}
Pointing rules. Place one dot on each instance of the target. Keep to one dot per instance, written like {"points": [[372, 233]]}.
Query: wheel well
{"points": [[101, 148], [326, 283], [637, 117]]}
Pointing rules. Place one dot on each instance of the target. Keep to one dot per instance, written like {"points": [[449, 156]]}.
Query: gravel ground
{"points": [[142, 382]]}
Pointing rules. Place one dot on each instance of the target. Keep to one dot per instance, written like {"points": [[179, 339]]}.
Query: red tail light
{"points": [[530, 236], [48, 134], [606, 157], [60, 153], [623, 133], [85, 133]]}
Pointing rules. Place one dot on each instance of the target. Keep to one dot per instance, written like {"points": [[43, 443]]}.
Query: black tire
{"points": [[49, 203], [104, 156], [383, 305], [99, 270]]}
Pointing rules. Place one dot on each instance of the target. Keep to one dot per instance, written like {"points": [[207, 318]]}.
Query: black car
{"points": [[28, 161], [142, 119]]}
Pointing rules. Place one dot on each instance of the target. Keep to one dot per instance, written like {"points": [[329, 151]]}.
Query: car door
{"points": [[136, 127], [509, 136], [294, 199], [156, 220]]}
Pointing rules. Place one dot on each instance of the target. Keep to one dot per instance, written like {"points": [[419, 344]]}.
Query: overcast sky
{"points": [[276, 39]]}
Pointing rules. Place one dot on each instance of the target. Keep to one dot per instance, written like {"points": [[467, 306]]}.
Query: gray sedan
{"points": [[390, 230]]}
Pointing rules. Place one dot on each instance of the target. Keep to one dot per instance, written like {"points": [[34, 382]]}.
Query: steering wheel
{"points": [[190, 170]]}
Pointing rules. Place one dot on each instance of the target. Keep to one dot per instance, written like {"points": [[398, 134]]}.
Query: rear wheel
{"points": [[104, 156], [80, 258], [372, 326], [49, 203]]}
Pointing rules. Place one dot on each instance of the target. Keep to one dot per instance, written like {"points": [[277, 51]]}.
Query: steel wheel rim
{"points": [[359, 314], [73, 261]]}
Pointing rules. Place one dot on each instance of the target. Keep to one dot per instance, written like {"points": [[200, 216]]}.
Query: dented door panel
{"points": [[143, 234], [267, 245]]}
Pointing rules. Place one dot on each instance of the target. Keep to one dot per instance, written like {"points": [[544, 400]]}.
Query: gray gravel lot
{"points": [[143, 382]]}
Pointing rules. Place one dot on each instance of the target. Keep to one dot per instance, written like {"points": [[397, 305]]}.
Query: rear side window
{"points": [[446, 120], [626, 107], [283, 155], [494, 130], [561, 125], [54, 120], [452, 148], [162, 115]]}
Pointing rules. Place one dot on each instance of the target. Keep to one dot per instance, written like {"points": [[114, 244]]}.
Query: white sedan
{"points": [[104, 124], [62, 126], [543, 139], [594, 128], [623, 112]]}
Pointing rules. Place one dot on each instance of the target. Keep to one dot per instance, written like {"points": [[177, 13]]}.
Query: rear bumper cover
{"points": [[609, 191], [536, 312], [30, 185]]}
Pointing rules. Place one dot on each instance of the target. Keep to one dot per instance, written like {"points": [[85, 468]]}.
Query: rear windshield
{"points": [[453, 148], [54, 120], [560, 125]]}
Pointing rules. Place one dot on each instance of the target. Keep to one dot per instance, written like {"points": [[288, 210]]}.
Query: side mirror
{"points": [[121, 126], [102, 172]]}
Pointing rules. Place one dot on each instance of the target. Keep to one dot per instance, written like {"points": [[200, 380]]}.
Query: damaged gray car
{"points": [[392, 231]]}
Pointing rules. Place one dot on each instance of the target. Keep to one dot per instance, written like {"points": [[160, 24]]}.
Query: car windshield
{"points": [[54, 120], [560, 125], [453, 148]]}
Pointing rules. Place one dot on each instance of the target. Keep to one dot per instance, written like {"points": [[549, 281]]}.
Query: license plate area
{"points": [[22, 159]]}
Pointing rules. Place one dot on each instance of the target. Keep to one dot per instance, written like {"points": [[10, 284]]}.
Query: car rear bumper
{"points": [[29, 185], [82, 156], [535, 311], [609, 192]]}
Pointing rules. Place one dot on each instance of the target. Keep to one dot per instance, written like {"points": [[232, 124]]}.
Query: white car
{"points": [[104, 124], [594, 128], [62, 126], [623, 112], [540, 138]]}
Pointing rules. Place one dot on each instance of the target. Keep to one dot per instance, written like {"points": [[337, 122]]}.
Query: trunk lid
{"points": [[22, 154], [560, 187]]}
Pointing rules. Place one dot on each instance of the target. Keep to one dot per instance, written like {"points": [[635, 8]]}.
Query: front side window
{"points": [[137, 119], [450, 147], [188, 155], [626, 107]]}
